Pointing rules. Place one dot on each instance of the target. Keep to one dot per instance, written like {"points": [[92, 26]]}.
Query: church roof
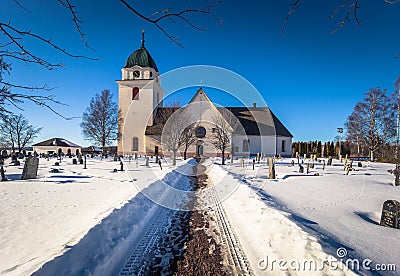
{"points": [[142, 58], [258, 121]]}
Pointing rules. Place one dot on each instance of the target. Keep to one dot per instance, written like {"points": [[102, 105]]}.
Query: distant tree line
{"points": [[330, 148]]}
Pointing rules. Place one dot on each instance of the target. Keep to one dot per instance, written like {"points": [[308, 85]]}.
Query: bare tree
{"points": [[175, 125], [345, 12], [187, 139], [375, 119], [225, 125], [14, 47], [17, 132], [100, 120], [354, 125]]}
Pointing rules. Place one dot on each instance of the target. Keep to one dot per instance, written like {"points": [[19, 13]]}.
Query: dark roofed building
{"points": [[55, 145]]}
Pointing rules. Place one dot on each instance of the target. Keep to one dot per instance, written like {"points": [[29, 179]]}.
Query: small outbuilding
{"points": [[56, 146]]}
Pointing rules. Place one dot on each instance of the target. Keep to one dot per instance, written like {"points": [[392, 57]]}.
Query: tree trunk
{"points": [[223, 157], [174, 159], [184, 153], [372, 155]]}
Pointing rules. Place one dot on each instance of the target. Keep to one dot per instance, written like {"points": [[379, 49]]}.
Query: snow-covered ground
{"points": [[90, 218], [301, 217], [45, 217]]}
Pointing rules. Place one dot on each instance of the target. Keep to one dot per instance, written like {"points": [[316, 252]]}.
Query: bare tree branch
{"points": [[157, 17]]}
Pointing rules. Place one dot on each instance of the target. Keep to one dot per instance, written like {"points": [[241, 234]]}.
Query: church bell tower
{"points": [[139, 95]]}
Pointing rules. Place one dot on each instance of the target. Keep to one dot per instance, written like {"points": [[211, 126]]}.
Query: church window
{"points": [[283, 145], [246, 144], [135, 144], [135, 93], [151, 74]]}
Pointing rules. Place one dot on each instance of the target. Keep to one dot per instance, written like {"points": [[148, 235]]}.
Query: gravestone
{"points": [[56, 164], [308, 168], [30, 168], [4, 154], [147, 162], [74, 161], [271, 167], [81, 161], [301, 169], [14, 158], [292, 163], [391, 214], [359, 164], [329, 161]]}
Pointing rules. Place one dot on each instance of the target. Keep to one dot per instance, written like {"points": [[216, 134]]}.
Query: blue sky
{"points": [[310, 78]]}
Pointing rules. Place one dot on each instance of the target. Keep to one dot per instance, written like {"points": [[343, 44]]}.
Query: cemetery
{"points": [[323, 208]]}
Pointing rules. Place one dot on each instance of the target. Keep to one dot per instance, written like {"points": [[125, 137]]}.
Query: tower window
{"points": [[135, 93], [283, 145], [151, 74], [135, 144]]}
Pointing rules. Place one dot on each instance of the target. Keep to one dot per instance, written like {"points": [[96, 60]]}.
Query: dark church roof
{"points": [[142, 58], [59, 142], [258, 121]]}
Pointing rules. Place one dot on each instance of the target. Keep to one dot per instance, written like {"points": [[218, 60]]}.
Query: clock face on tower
{"points": [[136, 74]]}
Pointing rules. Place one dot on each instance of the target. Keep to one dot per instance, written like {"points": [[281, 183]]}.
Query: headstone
{"points": [[115, 158], [30, 168], [359, 164], [136, 156], [312, 166], [81, 161], [147, 162], [292, 163], [2, 173], [254, 161], [308, 168], [56, 164], [55, 171], [14, 158], [74, 161], [329, 161], [316, 174], [271, 167], [4, 154], [391, 214], [115, 170], [323, 166], [301, 169]]}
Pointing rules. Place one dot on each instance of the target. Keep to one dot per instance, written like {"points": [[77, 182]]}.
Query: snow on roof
{"points": [[59, 142]]}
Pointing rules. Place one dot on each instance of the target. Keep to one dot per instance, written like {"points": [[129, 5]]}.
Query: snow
{"points": [[87, 221], [45, 217], [305, 216]]}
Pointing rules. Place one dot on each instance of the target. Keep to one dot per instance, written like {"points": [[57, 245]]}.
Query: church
{"points": [[146, 126]]}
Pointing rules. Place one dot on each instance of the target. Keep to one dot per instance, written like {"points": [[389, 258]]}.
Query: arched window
{"points": [[246, 144], [135, 93], [135, 144], [151, 74]]}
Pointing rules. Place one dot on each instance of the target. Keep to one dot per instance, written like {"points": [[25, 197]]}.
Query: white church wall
{"points": [[261, 144], [287, 150]]}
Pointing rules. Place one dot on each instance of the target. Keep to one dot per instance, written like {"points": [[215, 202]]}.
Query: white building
{"points": [[140, 101]]}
